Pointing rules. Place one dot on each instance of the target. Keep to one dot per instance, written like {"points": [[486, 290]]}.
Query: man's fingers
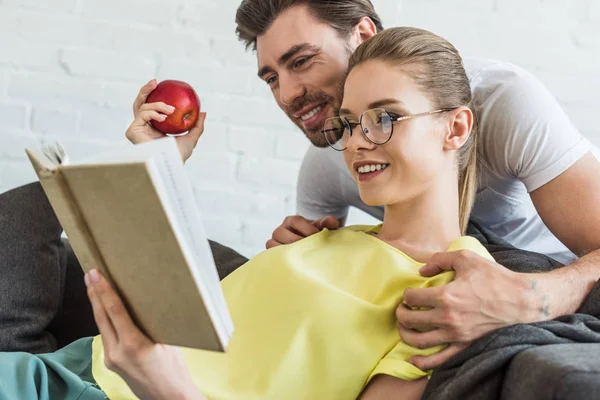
{"points": [[300, 226], [416, 319], [436, 360], [448, 261], [421, 340], [143, 95], [422, 297], [113, 307], [272, 243], [109, 335], [285, 236], [330, 222]]}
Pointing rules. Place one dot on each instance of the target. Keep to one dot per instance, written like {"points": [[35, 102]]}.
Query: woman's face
{"points": [[414, 157]]}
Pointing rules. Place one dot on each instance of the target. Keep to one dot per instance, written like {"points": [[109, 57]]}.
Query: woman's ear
{"points": [[363, 30], [459, 128]]}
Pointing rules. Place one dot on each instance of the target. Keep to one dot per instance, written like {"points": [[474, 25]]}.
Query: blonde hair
{"points": [[436, 66]]}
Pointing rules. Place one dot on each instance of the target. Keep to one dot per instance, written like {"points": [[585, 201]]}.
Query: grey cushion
{"points": [[560, 371]]}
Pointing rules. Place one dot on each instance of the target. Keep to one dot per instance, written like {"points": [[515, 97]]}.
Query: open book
{"points": [[131, 214]]}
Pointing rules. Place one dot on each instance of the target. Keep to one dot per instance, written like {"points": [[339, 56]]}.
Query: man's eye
{"points": [[300, 62], [271, 80]]}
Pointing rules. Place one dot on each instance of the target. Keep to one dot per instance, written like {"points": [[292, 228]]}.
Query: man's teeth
{"points": [[311, 113], [365, 169]]}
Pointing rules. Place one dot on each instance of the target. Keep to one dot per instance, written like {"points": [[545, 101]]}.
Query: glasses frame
{"points": [[350, 126]]}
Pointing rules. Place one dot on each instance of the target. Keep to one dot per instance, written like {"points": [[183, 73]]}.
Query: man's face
{"points": [[304, 61]]}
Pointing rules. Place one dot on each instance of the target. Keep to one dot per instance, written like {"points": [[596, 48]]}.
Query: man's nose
{"points": [[290, 90]]}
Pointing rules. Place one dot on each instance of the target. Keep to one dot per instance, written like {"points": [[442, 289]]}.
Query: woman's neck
{"points": [[424, 225]]}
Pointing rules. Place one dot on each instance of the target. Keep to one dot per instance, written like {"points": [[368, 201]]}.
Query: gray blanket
{"points": [[479, 372]]}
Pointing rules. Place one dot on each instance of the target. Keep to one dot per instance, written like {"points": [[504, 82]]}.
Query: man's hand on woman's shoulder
{"points": [[295, 228], [141, 130]]}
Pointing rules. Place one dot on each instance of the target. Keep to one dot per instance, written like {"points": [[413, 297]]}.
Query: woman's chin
{"points": [[372, 199]]}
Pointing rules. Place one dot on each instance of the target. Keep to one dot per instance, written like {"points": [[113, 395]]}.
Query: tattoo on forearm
{"points": [[544, 309], [533, 285]]}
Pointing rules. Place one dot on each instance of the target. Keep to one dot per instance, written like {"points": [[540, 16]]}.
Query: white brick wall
{"points": [[70, 69]]}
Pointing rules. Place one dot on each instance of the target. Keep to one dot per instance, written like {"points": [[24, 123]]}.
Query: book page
{"points": [[176, 191]]}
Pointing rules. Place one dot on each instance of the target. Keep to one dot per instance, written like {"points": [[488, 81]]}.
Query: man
{"points": [[539, 181], [539, 190]]}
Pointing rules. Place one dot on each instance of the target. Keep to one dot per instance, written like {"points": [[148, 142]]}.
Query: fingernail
{"points": [[86, 279], [410, 360], [94, 277], [171, 108]]}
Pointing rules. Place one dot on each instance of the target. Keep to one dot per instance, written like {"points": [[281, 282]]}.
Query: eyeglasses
{"points": [[377, 125]]}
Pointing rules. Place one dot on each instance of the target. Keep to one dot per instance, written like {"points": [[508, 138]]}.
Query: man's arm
{"points": [[569, 205], [525, 135]]}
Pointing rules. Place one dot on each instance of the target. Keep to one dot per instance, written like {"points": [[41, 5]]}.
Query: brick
{"points": [[292, 144], [576, 89], [214, 138], [3, 83], [587, 37], [584, 117], [55, 120], [104, 123], [14, 145], [13, 116], [224, 229], [254, 110], [206, 166], [230, 51], [64, 30], [594, 11], [545, 10], [216, 17], [257, 233], [246, 200], [521, 43], [209, 79], [268, 172], [98, 64], [153, 12], [15, 173], [54, 89], [122, 94], [165, 45], [80, 149], [254, 141], [51, 7], [27, 54]]}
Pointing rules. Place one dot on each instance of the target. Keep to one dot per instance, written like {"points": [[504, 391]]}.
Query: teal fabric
{"points": [[63, 375]]}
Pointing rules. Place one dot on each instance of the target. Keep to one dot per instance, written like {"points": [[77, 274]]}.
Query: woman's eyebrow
{"points": [[385, 102], [375, 104]]}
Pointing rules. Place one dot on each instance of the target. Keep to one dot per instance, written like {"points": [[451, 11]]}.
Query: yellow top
{"points": [[313, 320]]}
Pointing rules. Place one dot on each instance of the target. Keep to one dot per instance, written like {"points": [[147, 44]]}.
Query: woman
{"points": [[315, 319]]}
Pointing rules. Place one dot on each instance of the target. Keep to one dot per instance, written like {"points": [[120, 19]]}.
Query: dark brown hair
{"points": [[437, 67], [255, 17]]}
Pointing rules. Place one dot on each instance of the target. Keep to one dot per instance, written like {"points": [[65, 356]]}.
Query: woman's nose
{"points": [[357, 140]]}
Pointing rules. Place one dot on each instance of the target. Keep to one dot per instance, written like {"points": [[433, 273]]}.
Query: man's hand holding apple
{"points": [[141, 129]]}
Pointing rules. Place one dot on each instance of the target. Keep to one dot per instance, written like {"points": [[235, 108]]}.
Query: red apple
{"points": [[185, 100]]}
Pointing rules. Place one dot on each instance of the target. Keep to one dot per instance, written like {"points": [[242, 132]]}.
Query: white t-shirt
{"points": [[526, 140]]}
